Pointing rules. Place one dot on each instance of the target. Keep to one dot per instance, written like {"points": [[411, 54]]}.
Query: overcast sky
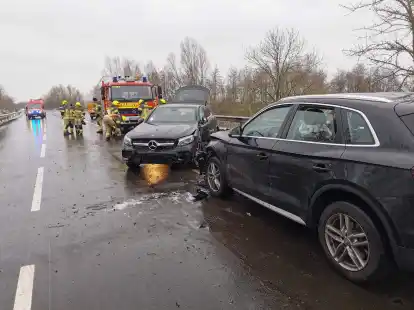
{"points": [[48, 42]]}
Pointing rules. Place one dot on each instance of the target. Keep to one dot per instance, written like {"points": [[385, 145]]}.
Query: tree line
{"points": [[282, 64]]}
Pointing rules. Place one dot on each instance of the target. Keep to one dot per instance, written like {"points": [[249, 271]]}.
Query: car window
{"points": [[314, 124], [267, 124], [357, 131]]}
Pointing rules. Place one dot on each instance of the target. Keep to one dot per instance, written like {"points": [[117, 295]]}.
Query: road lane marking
{"points": [[37, 194], [44, 137], [24, 291], [43, 150]]}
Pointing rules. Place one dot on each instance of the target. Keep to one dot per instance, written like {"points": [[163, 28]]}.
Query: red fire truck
{"points": [[128, 91], [35, 108]]}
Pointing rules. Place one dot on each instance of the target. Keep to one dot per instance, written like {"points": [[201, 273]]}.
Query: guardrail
{"points": [[226, 122], [5, 118]]}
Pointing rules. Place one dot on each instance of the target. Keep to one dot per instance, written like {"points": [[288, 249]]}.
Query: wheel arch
{"points": [[345, 192]]}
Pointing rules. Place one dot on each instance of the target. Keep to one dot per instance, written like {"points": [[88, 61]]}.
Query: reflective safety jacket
{"points": [[68, 113], [98, 110], [79, 113], [114, 114]]}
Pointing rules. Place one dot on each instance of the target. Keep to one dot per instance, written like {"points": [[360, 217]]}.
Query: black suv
{"points": [[340, 163]]}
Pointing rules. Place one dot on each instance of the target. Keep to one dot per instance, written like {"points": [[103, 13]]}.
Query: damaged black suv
{"points": [[339, 163]]}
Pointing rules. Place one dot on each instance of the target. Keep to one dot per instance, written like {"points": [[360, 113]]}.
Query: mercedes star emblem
{"points": [[152, 145]]}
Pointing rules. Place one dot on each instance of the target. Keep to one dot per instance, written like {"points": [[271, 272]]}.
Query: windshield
{"points": [[131, 93], [169, 115], [34, 106], [191, 94]]}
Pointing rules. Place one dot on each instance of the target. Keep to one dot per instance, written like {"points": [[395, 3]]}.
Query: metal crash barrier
{"points": [[6, 118], [226, 122]]}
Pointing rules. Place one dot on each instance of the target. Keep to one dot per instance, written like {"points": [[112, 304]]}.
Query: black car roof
{"points": [[382, 99]]}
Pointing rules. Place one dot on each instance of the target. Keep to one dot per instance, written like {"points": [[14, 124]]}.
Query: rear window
{"points": [[357, 130], [408, 120]]}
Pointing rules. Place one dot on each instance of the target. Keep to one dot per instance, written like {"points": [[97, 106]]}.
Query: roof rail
{"points": [[342, 96]]}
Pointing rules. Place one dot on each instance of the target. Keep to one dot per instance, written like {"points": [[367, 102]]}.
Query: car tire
{"points": [[219, 187], [374, 264]]}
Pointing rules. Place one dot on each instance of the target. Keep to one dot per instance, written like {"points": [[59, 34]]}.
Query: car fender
{"points": [[367, 198]]}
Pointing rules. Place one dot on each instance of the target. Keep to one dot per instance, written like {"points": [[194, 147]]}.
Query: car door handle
{"points": [[262, 156], [322, 167]]}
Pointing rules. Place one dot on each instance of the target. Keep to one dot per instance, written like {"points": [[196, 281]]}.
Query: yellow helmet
{"points": [[78, 104], [64, 102], [115, 103], [163, 101]]}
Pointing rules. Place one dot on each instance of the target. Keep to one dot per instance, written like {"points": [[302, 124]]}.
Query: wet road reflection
{"points": [[286, 257]]}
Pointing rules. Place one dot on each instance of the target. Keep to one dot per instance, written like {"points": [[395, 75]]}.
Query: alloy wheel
{"points": [[213, 177], [347, 242]]}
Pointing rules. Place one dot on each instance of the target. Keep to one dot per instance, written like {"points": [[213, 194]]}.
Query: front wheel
{"points": [[352, 243], [215, 178]]}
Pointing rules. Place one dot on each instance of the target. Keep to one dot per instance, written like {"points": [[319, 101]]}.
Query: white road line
{"points": [[195, 171], [37, 194], [24, 291], [44, 137], [43, 150]]}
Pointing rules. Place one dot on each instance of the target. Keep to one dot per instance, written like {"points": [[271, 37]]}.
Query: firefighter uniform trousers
{"points": [[111, 126], [68, 120], [78, 119]]}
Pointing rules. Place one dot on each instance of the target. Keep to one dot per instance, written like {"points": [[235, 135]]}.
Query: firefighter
{"points": [[68, 119], [62, 107], [79, 114], [99, 115], [112, 121], [146, 109]]}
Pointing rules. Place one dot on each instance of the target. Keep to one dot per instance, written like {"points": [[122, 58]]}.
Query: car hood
{"points": [[164, 131]]}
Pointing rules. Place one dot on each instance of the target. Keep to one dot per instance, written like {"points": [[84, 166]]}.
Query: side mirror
{"points": [[235, 132]]}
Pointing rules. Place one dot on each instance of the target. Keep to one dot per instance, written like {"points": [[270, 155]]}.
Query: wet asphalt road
{"points": [[99, 238]]}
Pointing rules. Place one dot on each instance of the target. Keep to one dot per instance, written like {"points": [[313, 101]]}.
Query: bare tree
{"points": [[116, 66], [58, 93], [194, 62], [215, 83], [389, 42], [7, 103], [279, 56]]}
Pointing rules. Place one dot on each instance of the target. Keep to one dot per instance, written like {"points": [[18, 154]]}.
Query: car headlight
{"points": [[185, 140], [127, 141]]}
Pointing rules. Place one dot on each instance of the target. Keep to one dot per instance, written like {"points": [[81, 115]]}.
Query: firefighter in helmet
{"points": [[99, 115], [68, 118], [112, 121], [79, 115], [62, 107]]}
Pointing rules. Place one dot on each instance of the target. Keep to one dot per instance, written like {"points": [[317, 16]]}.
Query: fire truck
{"points": [[35, 108], [128, 91]]}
